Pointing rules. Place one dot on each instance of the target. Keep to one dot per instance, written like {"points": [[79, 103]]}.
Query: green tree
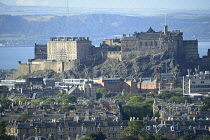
{"points": [[137, 106], [68, 99], [87, 138], [171, 96], [103, 92], [23, 100], [206, 105], [98, 96], [135, 101], [129, 138], [134, 129], [126, 96], [59, 95], [205, 137], [151, 136], [97, 135], [5, 102], [166, 94], [49, 101], [69, 107], [3, 135], [188, 136], [89, 102]]}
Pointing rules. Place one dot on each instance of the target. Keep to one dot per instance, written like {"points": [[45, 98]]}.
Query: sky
{"points": [[169, 4]]}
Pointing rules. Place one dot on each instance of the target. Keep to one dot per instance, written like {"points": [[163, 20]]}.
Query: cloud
{"points": [[32, 2]]}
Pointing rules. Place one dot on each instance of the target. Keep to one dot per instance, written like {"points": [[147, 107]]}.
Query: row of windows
{"points": [[148, 43], [200, 90], [202, 82], [200, 86]]}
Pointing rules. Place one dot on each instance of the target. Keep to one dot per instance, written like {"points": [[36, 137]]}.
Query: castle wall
{"points": [[57, 66], [40, 51], [114, 55], [191, 49], [112, 42], [23, 68]]}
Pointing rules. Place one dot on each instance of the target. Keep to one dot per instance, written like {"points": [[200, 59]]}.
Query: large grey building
{"points": [[150, 43], [68, 48]]}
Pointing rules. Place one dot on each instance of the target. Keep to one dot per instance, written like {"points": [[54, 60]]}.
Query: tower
{"points": [[158, 73], [165, 29]]}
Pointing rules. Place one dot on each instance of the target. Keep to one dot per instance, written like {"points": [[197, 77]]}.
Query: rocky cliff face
{"points": [[138, 67]]}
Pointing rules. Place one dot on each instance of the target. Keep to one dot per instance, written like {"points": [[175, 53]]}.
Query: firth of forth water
{"points": [[9, 56]]}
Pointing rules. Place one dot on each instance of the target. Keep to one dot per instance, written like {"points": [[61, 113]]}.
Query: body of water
{"points": [[9, 56], [203, 48]]}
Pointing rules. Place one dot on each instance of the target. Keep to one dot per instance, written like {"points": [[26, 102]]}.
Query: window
{"points": [[155, 43], [114, 129], [202, 82], [145, 43], [99, 128], [140, 43], [122, 127], [109, 135], [91, 129], [37, 130], [60, 129], [61, 136], [173, 135], [114, 135]]}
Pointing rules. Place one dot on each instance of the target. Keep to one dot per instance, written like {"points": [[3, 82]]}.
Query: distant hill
{"points": [[27, 30]]}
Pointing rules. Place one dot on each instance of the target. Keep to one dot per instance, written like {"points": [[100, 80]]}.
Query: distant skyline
{"points": [[163, 4]]}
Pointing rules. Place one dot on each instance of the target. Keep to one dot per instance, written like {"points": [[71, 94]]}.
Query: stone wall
{"points": [[191, 49], [114, 55], [57, 66]]}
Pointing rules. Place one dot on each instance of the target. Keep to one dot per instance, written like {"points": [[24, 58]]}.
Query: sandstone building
{"points": [[150, 43], [68, 48]]}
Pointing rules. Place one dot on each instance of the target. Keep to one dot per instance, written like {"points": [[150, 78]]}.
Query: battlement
{"points": [[69, 39]]}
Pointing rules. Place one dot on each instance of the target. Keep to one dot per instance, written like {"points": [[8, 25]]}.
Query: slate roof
{"points": [[72, 124]]}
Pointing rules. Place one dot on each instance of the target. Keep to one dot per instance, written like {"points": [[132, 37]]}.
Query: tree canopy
{"points": [[134, 129], [171, 96], [95, 136], [3, 135], [137, 106], [206, 105], [102, 92], [66, 98], [5, 102]]}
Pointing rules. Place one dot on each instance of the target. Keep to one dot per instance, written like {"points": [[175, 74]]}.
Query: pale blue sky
{"points": [[169, 4]]}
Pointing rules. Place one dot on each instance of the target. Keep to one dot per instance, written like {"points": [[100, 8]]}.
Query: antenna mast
{"points": [[165, 19], [67, 4]]}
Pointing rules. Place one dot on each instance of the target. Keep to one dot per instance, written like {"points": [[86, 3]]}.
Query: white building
{"points": [[197, 85]]}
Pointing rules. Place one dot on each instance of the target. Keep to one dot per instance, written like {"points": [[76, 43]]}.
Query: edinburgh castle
{"points": [[65, 53]]}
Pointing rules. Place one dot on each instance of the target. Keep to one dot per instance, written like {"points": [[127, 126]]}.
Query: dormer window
{"points": [[37, 130], [148, 128], [172, 128]]}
